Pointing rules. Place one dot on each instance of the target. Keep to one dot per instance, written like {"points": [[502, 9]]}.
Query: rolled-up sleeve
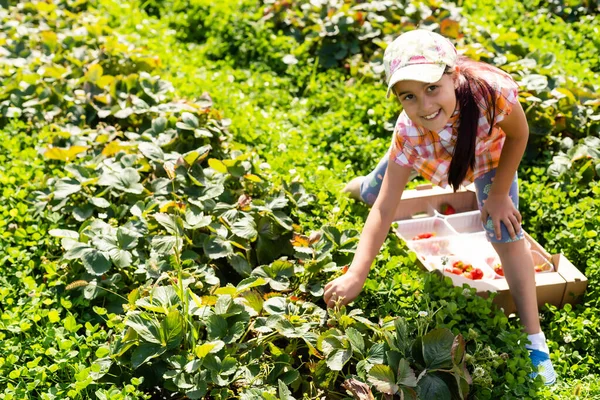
{"points": [[507, 96]]}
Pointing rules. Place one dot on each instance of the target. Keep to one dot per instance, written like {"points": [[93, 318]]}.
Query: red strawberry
{"points": [[477, 273], [498, 269], [455, 271], [424, 236], [345, 269], [458, 264], [447, 209]]}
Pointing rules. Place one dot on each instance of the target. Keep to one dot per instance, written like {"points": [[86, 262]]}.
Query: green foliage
{"points": [[577, 164], [154, 244]]}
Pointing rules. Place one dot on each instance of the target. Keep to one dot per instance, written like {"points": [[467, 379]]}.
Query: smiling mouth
{"points": [[432, 116]]}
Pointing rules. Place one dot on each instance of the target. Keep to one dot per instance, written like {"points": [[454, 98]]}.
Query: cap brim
{"points": [[418, 72]]}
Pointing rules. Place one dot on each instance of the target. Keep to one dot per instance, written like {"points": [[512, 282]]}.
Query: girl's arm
{"points": [[380, 218], [498, 205], [349, 285]]}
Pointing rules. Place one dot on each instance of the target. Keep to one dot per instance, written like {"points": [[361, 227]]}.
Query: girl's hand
{"points": [[344, 289], [501, 209]]}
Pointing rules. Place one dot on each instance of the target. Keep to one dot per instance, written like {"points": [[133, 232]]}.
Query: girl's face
{"points": [[429, 105]]}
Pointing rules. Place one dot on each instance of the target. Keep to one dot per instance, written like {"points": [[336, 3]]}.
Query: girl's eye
{"points": [[432, 88], [408, 97]]}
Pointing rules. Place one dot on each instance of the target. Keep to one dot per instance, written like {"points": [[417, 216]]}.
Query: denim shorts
{"points": [[371, 185], [483, 184]]}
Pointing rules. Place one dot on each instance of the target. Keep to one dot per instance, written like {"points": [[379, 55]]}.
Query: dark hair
{"points": [[463, 157]]}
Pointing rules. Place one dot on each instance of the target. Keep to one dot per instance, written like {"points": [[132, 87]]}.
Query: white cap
{"points": [[418, 55]]}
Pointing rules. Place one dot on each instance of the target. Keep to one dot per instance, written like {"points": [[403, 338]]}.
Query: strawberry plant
{"points": [[161, 241]]}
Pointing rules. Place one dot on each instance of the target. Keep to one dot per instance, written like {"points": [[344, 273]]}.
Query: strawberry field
{"points": [[171, 206]]}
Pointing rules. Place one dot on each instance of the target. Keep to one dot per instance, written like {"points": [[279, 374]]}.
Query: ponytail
{"points": [[463, 157]]}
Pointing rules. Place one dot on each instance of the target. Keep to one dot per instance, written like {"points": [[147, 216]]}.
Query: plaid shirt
{"points": [[430, 153]]}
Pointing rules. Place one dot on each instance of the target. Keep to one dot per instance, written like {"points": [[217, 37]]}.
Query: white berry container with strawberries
{"points": [[453, 232]]}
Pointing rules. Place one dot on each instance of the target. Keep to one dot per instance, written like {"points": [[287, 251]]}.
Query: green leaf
{"points": [[94, 73], [535, 82], [382, 378], [66, 187], [245, 228], [223, 305], [431, 386], [408, 393], [217, 165], [275, 305], [338, 358], [240, 264], [254, 300], [121, 258], [406, 376], [458, 350], [196, 220], [164, 244], [284, 392], [128, 181], [328, 344], [172, 223], [160, 300], [68, 154], [267, 229], [217, 247], [145, 352], [197, 156], [278, 274], [83, 213], [64, 233], [216, 327], [95, 262], [376, 353], [100, 367], [53, 316], [124, 113], [248, 283], [125, 180], [437, 349], [145, 326], [401, 341], [159, 125], [172, 329], [208, 347], [70, 324], [356, 340], [277, 203], [151, 151], [283, 220], [188, 122], [126, 238]]}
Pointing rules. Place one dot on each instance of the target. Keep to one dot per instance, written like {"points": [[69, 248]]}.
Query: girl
{"points": [[462, 123]]}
